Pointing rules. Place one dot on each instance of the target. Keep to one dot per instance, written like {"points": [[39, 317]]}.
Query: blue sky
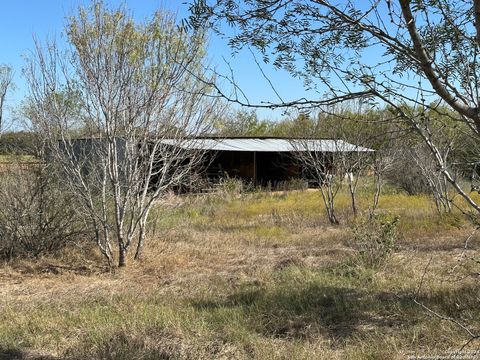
{"points": [[22, 20]]}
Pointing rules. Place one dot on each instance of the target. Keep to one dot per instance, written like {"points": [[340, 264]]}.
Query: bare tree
{"points": [[330, 162], [6, 78], [120, 112], [347, 123], [387, 151], [354, 164], [318, 163], [436, 181], [383, 162]]}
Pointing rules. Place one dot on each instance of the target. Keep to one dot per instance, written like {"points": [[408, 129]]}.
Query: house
{"points": [[262, 160]]}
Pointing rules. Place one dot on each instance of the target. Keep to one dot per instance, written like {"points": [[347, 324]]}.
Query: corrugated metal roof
{"points": [[267, 145]]}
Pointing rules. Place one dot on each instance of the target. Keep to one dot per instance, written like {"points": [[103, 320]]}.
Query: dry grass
{"points": [[255, 276]]}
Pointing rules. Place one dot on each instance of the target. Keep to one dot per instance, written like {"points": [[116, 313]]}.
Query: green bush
{"points": [[374, 239]]}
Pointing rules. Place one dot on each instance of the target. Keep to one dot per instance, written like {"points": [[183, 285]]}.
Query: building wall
{"points": [[271, 167]]}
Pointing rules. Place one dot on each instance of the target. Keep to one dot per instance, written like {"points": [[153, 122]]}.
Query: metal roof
{"points": [[266, 145]]}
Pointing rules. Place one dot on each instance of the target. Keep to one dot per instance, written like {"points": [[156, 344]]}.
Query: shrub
{"points": [[18, 143], [231, 186], [36, 216], [374, 239], [407, 176]]}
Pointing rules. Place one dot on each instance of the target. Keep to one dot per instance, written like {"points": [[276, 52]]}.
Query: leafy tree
{"points": [[404, 54], [300, 126], [131, 90], [242, 123]]}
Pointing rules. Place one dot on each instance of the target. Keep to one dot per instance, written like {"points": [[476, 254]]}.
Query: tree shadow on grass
{"points": [[300, 312], [305, 308], [16, 354]]}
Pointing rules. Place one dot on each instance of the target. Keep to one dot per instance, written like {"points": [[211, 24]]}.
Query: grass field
{"points": [[260, 276], [11, 159]]}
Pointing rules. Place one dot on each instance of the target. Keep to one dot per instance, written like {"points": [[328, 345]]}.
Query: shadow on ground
{"points": [[305, 308], [291, 312], [15, 354]]}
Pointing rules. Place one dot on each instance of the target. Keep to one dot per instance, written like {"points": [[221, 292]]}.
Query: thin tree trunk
{"points": [[141, 240], [354, 203], [122, 252], [352, 189], [378, 190], [329, 205], [142, 232], [447, 199], [332, 217]]}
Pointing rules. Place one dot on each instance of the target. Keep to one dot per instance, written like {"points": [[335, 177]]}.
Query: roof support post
{"points": [[255, 168]]}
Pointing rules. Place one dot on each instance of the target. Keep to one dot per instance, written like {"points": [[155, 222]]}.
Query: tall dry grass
{"points": [[256, 275]]}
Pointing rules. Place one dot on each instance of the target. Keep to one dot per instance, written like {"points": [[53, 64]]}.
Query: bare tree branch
{"points": [[6, 77]]}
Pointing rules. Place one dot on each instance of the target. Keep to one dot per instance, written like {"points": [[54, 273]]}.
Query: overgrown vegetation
{"points": [[120, 147], [240, 272], [255, 275], [374, 238], [37, 215], [18, 143]]}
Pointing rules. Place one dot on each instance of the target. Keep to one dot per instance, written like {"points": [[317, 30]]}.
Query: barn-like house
{"points": [[263, 160]]}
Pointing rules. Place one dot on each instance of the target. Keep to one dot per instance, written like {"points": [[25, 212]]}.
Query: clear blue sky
{"points": [[22, 20]]}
